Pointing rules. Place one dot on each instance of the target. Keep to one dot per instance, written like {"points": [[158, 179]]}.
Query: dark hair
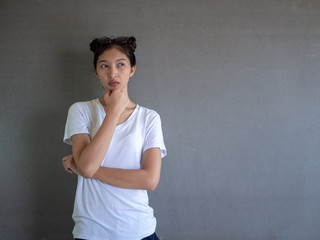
{"points": [[127, 45]]}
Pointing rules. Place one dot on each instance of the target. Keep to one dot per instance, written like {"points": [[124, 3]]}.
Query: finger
{"points": [[66, 168], [108, 93], [65, 158]]}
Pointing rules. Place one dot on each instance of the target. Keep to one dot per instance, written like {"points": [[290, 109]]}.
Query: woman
{"points": [[117, 148]]}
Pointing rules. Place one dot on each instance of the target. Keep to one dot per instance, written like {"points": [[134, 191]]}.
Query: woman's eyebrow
{"points": [[100, 61], [120, 59]]}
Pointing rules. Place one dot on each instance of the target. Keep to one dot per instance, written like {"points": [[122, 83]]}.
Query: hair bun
{"points": [[132, 43], [93, 45]]}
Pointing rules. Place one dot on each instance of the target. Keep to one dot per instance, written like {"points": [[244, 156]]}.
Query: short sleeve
{"points": [[76, 123], [154, 136]]}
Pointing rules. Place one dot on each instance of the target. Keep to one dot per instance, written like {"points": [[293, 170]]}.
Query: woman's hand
{"points": [[116, 100], [69, 164]]}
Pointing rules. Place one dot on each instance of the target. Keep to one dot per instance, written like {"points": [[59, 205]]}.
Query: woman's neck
{"points": [[131, 105]]}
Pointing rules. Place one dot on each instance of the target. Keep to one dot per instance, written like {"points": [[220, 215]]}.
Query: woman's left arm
{"points": [[146, 178]]}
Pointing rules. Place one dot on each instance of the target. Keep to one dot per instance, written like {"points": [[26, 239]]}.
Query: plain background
{"points": [[237, 85]]}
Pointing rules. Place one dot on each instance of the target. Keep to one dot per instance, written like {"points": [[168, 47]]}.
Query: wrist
{"points": [[113, 112]]}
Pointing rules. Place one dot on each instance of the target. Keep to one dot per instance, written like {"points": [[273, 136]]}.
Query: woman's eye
{"points": [[121, 64], [104, 66]]}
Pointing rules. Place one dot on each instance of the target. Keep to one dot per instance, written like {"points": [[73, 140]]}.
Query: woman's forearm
{"points": [[124, 178], [145, 178], [89, 155]]}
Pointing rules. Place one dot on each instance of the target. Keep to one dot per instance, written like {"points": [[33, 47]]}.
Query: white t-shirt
{"points": [[101, 211]]}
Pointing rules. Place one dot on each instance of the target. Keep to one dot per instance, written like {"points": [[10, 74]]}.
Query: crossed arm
{"points": [[88, 155], [145, 178]]}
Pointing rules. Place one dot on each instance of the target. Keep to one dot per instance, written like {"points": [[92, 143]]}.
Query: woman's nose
{"points": [[112, 72]]}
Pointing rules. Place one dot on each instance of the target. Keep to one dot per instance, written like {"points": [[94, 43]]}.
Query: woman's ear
{"points": [[133, 70]]}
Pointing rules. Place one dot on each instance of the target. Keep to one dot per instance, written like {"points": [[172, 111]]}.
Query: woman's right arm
{"points": [[89, 154]]}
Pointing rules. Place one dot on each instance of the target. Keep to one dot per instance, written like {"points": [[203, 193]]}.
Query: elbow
{"points": [[86, 171], [152, 188], [152, 184], [86, 174]]}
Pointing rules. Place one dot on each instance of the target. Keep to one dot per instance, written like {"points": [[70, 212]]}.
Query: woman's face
{"points": [[114, 69]]}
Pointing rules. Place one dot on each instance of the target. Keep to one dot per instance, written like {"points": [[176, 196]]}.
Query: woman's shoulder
{"points": [[84, 105], [147, 113]]}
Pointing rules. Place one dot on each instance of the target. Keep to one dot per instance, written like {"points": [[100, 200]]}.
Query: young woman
{"points": [[117, 147]]}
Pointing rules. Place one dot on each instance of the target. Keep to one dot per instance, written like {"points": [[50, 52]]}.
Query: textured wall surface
{"points": [[237, 84]]}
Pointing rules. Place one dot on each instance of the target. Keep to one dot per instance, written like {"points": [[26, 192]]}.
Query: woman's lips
{"points": [[113, 83]]}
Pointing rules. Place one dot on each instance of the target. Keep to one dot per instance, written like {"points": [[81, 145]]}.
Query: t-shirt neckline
{"points": [[128, 119]]}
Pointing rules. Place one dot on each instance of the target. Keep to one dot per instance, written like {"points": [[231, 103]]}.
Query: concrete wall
{"points": [[236, 83]]}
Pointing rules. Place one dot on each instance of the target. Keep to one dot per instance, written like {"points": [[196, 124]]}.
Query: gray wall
{"points": [[237, 84]]}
